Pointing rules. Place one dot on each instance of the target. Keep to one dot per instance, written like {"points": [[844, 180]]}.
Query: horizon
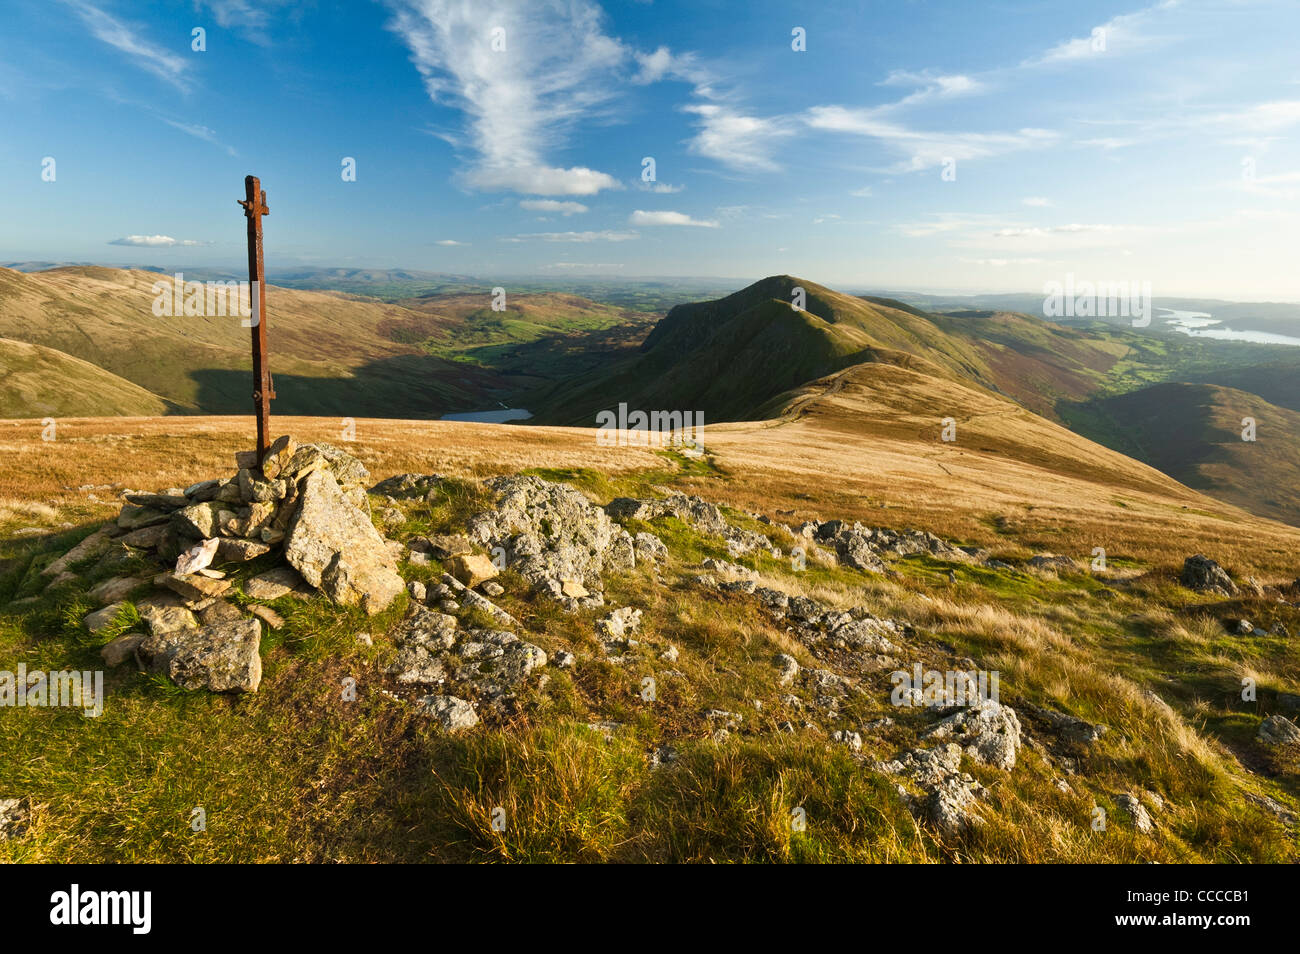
{"points": [[685, 280], [952, 150]]}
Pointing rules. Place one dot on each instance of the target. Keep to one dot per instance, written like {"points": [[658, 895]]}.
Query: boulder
{"points": [[94, 545], [115, 588], [449, 712], [337, 549], [1279, 730], [103, 618], [199, 520], [274, 584], [223, 657], [1202, 574], [120, 649], [989, 732], [1136, 811], [472, 568]]}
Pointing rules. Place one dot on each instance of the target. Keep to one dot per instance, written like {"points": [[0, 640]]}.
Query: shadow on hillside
{"points": [[405, 386]]}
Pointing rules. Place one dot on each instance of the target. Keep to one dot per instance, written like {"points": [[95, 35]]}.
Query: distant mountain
{"points": [[730, 357], [329, 355]]}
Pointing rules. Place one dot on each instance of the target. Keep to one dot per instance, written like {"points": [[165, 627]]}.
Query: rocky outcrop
{"points": [[554, 537], [1202, 574], [988, 732], [486, 665], [1279, 730]]}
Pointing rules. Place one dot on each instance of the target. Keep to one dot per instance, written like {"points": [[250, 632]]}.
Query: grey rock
{"points": [[121, 649], [337, 549], [449, 712], [223, 657], [15, 818], [1136, 811], [1278, 730], [1202, 574]]}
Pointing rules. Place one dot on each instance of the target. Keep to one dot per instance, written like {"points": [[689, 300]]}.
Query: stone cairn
{"points": [[306, 502]]}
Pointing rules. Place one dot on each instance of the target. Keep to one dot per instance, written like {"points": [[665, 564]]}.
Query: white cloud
{"points": [[661, 188], [932, 86], [553, 205], [605, 235], [923, 149], [520, 103], [450, 243], [733, 138], [642, 217], [1036, 201], [199, 131], [863, 193], [1126, 33], [1072, 229], [146, 55], [156, 241]]}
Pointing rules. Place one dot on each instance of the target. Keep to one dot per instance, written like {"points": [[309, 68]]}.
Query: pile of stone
{"points": [[864, 548], [693, 511], [307, 503], [438, 657], [557, 539]]}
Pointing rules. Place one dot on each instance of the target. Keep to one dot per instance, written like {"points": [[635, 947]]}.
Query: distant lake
{"points": [[499, 416], [1199, 324]]}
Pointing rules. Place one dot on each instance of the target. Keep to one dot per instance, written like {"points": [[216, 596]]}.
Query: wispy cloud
{"points": [[450, 243], [1126, 33], [924, 149], [554, 206], [156, 241], [551, 66], [199, 131], [605, 235], [642, 217], [144, 54]]}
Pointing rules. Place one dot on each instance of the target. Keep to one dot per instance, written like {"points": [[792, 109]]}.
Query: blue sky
{"points": [[1115, 141]]}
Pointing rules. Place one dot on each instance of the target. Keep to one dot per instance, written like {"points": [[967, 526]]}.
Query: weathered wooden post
{"points": [[264, 389]]}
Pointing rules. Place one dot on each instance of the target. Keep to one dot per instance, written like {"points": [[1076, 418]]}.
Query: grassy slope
{"points": [[40, 382], [369, 781], [329, 354], [728, 358], [538, 337], [1193, 432]]}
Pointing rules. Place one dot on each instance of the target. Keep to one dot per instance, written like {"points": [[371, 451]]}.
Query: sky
{"points": [[930, 145]]}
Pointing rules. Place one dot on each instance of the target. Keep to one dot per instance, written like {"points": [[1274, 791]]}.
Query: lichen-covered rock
{"points": [[552, 535], [449, 712], [223, 657], [1204, 575], [1279, 730], [989, 732], [336, 548], [15, 817]]}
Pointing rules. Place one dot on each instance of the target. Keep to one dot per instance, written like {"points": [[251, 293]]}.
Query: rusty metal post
{"points": [[263, 389]]}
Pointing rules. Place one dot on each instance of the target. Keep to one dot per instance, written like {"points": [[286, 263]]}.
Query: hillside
{"points": [[729, 357], [42, 382], [329, 353], [1119, 688], [1193, 432], [539, 337]]}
